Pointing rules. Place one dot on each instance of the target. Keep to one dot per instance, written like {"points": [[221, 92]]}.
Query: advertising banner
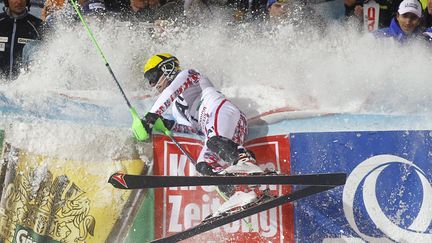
{"points": [[46, 199], [179, 208], [387, 196]]}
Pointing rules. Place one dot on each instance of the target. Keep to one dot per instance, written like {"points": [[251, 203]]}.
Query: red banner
{"points": [[178, 208]]}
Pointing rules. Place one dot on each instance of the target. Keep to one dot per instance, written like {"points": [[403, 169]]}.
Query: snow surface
{"points": [[68, 101]]}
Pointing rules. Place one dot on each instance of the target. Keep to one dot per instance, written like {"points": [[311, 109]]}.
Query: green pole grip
{"points": [[137, 127], [160, 126]]}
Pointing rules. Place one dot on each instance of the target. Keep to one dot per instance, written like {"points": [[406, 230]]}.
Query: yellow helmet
{"points": [[162, 63]]}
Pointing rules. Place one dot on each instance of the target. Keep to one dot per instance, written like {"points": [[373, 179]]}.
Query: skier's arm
{"points": [[176, 88], [150, 118], [183, 128]]}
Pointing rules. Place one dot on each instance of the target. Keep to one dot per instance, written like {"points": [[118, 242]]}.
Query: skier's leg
{"points": [[228, 127], [224, 147], [213, 123], [208, 162]]}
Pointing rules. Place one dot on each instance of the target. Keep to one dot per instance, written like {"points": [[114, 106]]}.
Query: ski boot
{"points": [[245, 164], [236, 202], [240, 196], [243, 198], [214, 169], [242, 163], [208, 169]]}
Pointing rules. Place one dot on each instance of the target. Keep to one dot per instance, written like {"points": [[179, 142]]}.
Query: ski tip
{"points": [[341, 177], [118, 181]]}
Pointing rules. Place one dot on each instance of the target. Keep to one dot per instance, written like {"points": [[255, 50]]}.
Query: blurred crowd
{"points": [[401, 20]]}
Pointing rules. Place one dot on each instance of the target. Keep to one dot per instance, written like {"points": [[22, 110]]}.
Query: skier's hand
{"points": [[150, 119]]}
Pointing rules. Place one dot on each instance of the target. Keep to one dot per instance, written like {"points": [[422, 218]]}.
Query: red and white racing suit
{"points": [[208, 111]]}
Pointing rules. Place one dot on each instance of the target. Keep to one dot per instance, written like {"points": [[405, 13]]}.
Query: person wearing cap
{"points": [[17, 28], [406, 24], [277, 9]]}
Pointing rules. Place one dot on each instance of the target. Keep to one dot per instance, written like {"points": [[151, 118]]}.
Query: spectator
{"points": [[144, 8], [197, 10], [117, 5], [427, 15], [295, 12], [388, 8], [153, 10], [248, 10], [277, 10], [93, 7], [17, 28], [406, 24], [427, 34], [52, 6]]}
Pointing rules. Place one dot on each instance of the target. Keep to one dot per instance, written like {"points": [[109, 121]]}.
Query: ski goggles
{"points": [[166, 67], [153, 76]]}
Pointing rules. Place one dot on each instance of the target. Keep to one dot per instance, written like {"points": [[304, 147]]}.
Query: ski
{"points": [[126, 181], [212, 223]]}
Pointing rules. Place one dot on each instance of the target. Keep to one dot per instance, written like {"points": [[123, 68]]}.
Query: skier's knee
{"points": [[225, 148]]}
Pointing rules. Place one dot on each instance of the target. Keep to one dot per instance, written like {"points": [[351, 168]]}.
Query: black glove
{"points": [[150, 118]]}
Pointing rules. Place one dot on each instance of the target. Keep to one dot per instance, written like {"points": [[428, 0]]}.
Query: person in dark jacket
{"points": [[406, 24], [17, 28], [427, 15]]}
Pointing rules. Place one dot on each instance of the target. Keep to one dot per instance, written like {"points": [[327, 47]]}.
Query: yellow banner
{"points": [[52, 200]]}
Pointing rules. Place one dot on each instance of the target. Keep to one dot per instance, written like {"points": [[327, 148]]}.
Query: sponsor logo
{"points": [[371, 18], [412, 5], [22, 236], [195, 211], [365, 177], [4, 39], [97, 6], [24, 40], [185, 207], [60, 210], [119, 177]]}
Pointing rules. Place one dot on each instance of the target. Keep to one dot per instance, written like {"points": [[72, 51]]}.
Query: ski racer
{"points": [[17, 28], [406, 24], [208, 112]]}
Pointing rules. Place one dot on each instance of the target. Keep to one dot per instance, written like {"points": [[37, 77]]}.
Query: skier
{"points": [[17, 28], [208, 113]]}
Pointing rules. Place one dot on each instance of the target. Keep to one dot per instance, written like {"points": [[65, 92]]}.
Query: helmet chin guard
{"points": [[161, 64], [169, 70]]}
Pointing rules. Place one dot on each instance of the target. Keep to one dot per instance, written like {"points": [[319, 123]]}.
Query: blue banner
{"points": [[388, 192]]}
